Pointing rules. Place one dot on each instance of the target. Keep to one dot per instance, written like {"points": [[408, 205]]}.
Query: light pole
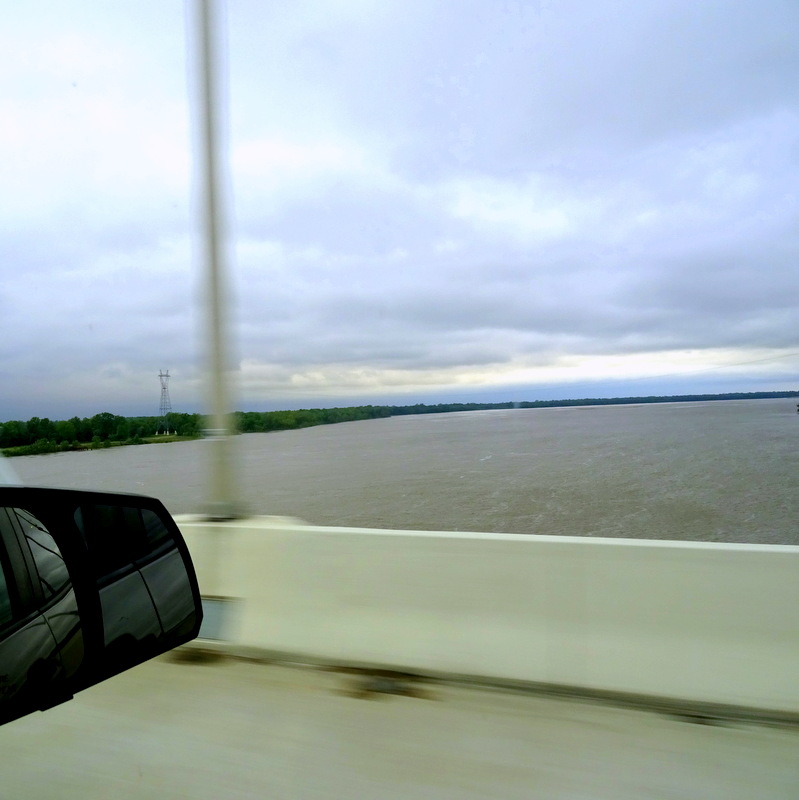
{"points": [[222, 502]]}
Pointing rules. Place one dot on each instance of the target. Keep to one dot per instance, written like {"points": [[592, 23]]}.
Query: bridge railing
{"points": [[712, 623]]}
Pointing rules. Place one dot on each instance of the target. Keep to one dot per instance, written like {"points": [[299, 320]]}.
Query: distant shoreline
{"points": [[42, 436], [593, 401]]}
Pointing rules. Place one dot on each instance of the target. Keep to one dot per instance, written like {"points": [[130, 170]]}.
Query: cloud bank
{"points": [[428, 200]]}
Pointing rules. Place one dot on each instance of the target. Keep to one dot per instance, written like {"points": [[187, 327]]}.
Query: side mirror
{"points": [[91, 584]]}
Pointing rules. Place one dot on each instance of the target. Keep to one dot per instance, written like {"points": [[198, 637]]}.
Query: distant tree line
{"points": [[42, 435], [440, 408], [264, 421]]}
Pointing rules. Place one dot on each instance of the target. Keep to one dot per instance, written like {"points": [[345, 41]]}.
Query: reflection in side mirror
{"points": [[91, 584]]}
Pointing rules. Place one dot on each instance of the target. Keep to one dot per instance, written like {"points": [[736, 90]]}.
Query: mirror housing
{"points": [[91, 584]]}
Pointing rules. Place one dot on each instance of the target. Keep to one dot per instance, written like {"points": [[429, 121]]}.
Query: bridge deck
{"points": [[239, 730]]}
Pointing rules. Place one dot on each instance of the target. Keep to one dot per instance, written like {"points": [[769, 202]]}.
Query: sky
{"points": [[426, 202]]}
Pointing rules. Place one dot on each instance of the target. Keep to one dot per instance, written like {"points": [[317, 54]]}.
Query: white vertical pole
{"points": [[222, 503]]}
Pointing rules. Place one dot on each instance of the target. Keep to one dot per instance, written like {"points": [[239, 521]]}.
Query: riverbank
{"points": [[46, 446]]}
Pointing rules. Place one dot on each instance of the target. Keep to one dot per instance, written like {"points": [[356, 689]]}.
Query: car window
{"points": [[52, 571], [155, 531], [145, 536], [100, 527]]}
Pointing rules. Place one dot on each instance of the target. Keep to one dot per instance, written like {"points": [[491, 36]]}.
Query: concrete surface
{"points": [[698, 621], [242, 730]]}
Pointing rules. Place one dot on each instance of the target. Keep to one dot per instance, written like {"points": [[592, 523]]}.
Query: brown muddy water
{"points": [[713, 471]]}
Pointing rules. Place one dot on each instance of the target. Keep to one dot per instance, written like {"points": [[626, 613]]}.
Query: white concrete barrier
{"points": [[713, 623]]}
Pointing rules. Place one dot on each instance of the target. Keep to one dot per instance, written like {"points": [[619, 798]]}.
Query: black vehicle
{"points": [[91, 584]]}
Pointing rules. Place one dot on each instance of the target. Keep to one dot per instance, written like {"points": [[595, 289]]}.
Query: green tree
{"points": [[122, 430], [104, 424], [65, 431], [13, 433]]}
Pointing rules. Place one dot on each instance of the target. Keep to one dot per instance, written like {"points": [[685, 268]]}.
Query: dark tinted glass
{"points": [[53, 575], [155, 531], [103, 528], [118, 536]]}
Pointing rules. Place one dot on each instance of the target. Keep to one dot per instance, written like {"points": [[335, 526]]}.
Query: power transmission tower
{"points": [[166, 403]]}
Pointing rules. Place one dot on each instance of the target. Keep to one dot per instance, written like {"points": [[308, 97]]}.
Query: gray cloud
{"points": [[428, 197]]}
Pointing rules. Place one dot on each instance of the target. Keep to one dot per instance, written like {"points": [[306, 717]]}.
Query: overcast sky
{"points": [[432, 201]]}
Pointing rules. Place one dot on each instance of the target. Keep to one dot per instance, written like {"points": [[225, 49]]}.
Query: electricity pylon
{"points": [[166, 404]]}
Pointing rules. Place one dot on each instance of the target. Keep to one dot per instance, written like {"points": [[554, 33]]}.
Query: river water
{"points": [[712, 471]]}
